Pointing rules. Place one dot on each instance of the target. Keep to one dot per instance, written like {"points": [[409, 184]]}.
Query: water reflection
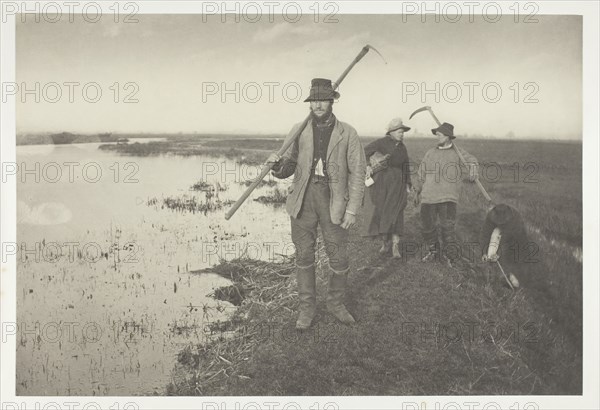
{"points": [[105, 295]]}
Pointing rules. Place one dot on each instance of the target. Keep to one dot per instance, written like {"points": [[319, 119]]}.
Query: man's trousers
{"points": [[314, 212]]}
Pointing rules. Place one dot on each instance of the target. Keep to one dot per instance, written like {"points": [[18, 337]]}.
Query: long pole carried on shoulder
{"points": [[267, 167], [460, 155], [479, 185]]}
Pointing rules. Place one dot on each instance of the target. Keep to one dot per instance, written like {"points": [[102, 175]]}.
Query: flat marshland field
{"points": [[422, 328]]}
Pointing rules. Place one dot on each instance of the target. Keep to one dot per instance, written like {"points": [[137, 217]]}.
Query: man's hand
{"points": [[491, 259], [473, 174], [348, 221], [369, 170], [416, 198], [273, 159], [274, 162]]}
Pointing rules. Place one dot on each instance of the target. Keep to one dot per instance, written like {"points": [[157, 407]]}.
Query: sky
{"points": [[176, 71]]}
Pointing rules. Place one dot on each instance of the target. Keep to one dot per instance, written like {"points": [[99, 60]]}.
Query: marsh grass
{"points": [[204, 186], [527, 341], [188, 148], [404, 342], [261, 288], [276, 197], [188, 203], [262, 183]]}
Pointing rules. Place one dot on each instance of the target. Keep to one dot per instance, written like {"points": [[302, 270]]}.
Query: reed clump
{"points": [[275, 197], [263, 290], [186, 203]]}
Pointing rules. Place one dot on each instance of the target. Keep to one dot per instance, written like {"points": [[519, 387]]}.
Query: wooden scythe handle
{"points": [[462, 159], [267, 167], [477, 182]]}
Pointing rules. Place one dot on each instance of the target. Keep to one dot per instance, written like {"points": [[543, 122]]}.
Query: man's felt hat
{"points": [[446, 129], [321, 90], [396, 124]]}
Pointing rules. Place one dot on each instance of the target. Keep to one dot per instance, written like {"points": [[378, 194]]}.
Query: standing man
{"points": [[328, 164], [438, 190]]}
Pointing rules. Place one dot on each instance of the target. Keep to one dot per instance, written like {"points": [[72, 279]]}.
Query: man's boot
{"points": [[386, 245], [307, 296], [396, 247], [432, 252], [335, 297]]}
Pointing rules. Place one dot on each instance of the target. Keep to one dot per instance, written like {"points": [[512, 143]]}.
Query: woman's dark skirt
{"points": [[384, 204]]}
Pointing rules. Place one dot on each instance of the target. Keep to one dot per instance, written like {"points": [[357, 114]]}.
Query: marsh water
{"points": [[107, 295]]}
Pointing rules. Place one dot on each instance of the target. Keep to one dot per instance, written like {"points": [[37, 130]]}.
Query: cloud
{"points": [[285, 29], [47, 213]]}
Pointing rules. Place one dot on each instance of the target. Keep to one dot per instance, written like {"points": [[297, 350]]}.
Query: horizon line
{"points": [[282, 135]]}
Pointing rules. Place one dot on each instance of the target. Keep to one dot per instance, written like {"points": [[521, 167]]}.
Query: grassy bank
{"points": [[422, 328], [251, 156]]}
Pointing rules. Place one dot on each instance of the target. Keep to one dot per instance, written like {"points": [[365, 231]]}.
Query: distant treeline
{"points": [[240, 141], [65, 138], [73, 138]]}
